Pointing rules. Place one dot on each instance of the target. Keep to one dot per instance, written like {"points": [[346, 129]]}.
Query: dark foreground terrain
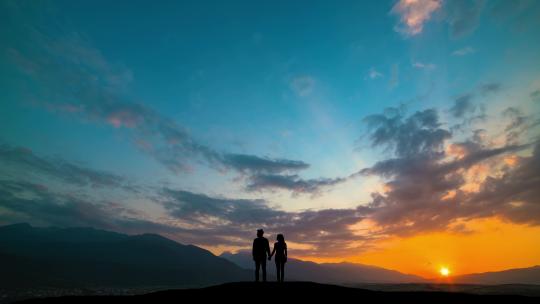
{"points": [[300, 292]]}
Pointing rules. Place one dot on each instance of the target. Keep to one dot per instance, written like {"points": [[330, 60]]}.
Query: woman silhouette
{"points": [[280, 249]]}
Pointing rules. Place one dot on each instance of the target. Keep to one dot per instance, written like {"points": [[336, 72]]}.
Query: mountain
{"points": [[335, 273], [77, 257], [529, 275]]}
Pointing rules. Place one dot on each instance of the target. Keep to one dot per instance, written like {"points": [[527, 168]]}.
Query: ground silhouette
{"points": [[289, 292]]}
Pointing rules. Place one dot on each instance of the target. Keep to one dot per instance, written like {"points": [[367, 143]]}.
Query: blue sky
{"points": [[262, 101]]}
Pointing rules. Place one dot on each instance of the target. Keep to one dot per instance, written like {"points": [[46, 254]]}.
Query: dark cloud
{"points": [[201, 208], [425, 185], [252, 163], [520, 15], [463, 16], [292, 183], [463, 105], [517, 124], [233, 221], [36, 204], [24, 161], [419, 133], [492, 87], [535, 96], [515, 195]]}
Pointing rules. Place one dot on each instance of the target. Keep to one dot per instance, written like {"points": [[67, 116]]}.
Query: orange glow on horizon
{"points": [[482, 246]]}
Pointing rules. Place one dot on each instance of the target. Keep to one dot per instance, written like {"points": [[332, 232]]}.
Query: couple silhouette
{"points": [[261, 251]]}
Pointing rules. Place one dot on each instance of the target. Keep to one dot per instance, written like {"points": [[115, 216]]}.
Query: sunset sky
{"points": [[402, 134]]}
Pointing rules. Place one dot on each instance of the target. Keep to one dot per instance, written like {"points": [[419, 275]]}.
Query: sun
{"points": [[444, 271]]}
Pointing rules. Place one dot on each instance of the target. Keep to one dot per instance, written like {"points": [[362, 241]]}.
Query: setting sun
{"points": [[444, 271]]}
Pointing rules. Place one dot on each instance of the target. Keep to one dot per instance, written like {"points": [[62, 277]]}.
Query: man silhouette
{"points": [[261, 248]]}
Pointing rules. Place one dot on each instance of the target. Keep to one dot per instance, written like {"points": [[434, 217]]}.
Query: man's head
{"points": [[260, 232]]}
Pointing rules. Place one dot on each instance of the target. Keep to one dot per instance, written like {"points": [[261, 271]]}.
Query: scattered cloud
{"points": [[302, 85], [413, 14], [252, 163], [292, 183], [463, 105], [234, 220], [394, 76], [492, 87], [74, 78], [464, 51], [422, 172], [24, 161], [463, 16], [535, 96], [374, 74], [424, 66]]}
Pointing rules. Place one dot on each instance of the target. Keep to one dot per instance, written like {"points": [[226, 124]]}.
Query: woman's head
{"points": [[280, 238]]}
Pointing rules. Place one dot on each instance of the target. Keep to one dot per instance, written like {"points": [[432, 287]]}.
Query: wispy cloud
{"points": [[464, 51], [413, 14], [463, 16], [302, 85], [74, 78], [374, 74], [22, 160], [423, 66]]}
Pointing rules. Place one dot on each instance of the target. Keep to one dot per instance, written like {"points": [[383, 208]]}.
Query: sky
{"points": [[402, 134]]}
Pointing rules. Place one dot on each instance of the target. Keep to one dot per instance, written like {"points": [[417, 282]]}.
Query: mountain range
{"points": [[334, 273], [76, 257]]}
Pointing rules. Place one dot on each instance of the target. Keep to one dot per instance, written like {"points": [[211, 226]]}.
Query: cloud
{"points": [[292, 183], [302, 85], [518, 124], [535, 96], [374, 74], [191, 217], [463, 105], [514, 195], [22, 161], [463, 16], [252, 163], [394, 76], [71, 77], [492, 87], [423, 66], [413, 14], [419, 133], [427, 188], [225, 219], [464, 51], [431, 184]]}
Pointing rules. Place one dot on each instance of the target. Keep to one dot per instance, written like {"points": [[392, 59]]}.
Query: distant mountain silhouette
{"points": [[530, 275], [335, 273], [290, 292], [75, 257]]}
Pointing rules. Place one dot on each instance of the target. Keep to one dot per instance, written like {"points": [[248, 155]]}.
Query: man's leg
{"points": [[257, 267], [263, 264]]}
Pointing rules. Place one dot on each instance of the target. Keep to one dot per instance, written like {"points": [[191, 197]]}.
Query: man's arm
{"points": [[273, 251], [253, 250], [268, 248]]}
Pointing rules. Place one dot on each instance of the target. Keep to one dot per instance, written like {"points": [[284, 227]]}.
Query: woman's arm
{"points": [[285, 249], [273, 251]]}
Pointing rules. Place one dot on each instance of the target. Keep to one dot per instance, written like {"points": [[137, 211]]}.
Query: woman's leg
{"points": [[282, 266], [278, 270]]}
